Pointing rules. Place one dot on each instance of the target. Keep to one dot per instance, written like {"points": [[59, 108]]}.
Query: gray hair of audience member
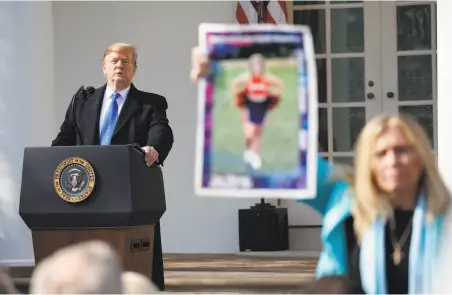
{"points": [[6, 283], [86, 268], [136, 283]]}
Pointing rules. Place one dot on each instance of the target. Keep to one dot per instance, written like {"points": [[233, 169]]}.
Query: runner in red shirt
{"points": [[256, 92]]}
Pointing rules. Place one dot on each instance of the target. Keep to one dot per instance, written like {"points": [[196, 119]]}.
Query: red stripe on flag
{"points": [[283, 5], [269, 19], [240, 15]]}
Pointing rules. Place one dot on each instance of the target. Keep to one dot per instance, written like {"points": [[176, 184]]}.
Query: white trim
{"points": [[342, 154], [434, 76], [342, 104], [416, 52], [409, 3], [329, 92], [444, 91], [309, 7], [347, 55], [339, 55], [327, 5], [416, 103], [389, 72]]}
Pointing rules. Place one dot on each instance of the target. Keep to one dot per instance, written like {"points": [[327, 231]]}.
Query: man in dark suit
{"points": [[119, 113]]}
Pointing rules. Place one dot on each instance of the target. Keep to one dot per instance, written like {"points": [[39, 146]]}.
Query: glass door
{"points": [[409, 61], [347, 45], [348, 54]]}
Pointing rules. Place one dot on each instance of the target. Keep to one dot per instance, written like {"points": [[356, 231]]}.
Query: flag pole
{"points": [[261, 12]]}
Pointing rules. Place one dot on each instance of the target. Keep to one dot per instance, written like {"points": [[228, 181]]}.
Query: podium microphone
{"points": [[82, 92]]}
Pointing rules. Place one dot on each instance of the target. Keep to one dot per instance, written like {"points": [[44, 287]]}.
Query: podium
{"points": [[80, 193]]}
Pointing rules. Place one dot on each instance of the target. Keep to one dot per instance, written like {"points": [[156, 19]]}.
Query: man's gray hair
{"points": [[85, 268], [136, 283]]}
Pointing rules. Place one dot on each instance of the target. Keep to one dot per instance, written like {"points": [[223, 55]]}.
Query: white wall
{"points": [[444, 47], [27, 113]]}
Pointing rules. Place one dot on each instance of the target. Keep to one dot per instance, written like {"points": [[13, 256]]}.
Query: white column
{"points": [[27, 113], [444, 111], [444, 47]]}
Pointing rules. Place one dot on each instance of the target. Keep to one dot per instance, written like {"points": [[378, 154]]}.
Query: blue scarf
{"points": [[422, 254]]}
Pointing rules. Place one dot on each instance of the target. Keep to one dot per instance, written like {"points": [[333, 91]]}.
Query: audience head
{"points": [[6, 283], [135, 283], [85, 268]]}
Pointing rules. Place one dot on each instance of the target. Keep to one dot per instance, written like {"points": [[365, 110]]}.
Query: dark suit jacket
{"points": [[142, 121]]}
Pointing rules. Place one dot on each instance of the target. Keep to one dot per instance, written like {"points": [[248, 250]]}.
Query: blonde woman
{"points": [[381, 224]]}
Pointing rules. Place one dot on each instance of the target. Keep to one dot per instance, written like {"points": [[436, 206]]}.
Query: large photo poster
{"points": [[257, 113]]}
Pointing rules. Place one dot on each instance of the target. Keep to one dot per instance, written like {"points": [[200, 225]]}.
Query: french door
{"points": [[409, 75], [372, 57]]}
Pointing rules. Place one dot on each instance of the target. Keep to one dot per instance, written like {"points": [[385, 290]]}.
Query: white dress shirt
{"points": [[107, 101]]}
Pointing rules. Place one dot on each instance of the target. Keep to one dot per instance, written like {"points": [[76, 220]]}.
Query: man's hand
{"points": [[150, 155], [200, 65]]}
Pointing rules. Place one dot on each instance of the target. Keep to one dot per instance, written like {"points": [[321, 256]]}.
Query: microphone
{"points": [[82, 92]]}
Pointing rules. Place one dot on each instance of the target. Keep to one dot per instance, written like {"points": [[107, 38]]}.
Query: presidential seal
{"points": [[74, 180]]}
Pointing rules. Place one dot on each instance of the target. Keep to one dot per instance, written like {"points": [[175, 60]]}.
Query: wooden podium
{"points": [[74, 194]]}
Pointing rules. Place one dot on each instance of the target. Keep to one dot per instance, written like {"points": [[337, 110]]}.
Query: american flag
{"points": [[253, 12]]}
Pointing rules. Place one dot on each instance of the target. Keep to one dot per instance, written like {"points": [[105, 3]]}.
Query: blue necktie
{"points": [[111, 117]]}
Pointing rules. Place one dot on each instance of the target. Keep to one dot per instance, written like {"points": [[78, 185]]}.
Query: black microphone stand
{"points": [[82, 92]]}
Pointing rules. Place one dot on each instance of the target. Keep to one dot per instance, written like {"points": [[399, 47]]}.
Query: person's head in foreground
{"points": [[136, 283], [6, 283], [394, 165], [85, 268], [119, 65]]}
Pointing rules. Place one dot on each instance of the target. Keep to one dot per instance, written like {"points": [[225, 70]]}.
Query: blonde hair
{"points": [[122, 47], [369, 202]]}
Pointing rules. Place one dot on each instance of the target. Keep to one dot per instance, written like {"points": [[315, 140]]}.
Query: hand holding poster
{"points": [[257, 113]]}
